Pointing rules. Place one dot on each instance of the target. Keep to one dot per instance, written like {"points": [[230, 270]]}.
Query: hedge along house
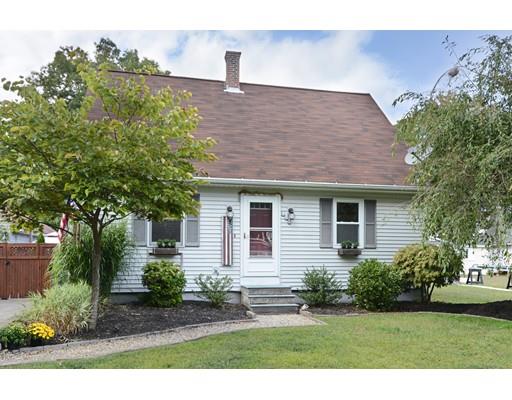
{"points": [[299, 171]]}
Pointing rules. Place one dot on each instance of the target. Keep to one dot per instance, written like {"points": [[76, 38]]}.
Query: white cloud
{"points": [[335, 61]]}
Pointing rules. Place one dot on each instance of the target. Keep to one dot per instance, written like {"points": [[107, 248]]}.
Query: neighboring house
{"points": [[7, 236], [299, 171], [50, 235]]}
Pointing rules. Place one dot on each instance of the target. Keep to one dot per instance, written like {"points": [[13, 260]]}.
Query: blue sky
{"points": [[383, 63], [420, 57]]}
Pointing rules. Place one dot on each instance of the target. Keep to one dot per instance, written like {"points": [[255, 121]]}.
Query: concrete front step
{"points": [[270, 290], [270, 299], [275, 308]]}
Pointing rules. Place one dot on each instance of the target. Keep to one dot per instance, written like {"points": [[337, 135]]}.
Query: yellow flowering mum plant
{"points": [[39, 330]]}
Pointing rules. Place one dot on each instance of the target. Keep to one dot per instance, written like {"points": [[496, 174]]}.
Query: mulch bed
{"points": [[129, 319], [339, 309], [498, 309]]}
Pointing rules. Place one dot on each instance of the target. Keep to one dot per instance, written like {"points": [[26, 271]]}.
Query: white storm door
{"points": [[260, 235]]}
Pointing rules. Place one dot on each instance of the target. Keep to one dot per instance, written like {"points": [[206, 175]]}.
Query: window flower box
{"points": [[349, 252], [164, 251]]}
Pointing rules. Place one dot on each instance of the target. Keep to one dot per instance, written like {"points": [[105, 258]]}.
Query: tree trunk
{"points": [[95, 276]]}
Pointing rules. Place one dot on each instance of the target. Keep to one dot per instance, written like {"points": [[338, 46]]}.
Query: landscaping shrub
{"points": [[374, 285], [427, 266], [165, 281], [71, 260], [214, 289], [320, 287], [65, 308], [14, 336]]}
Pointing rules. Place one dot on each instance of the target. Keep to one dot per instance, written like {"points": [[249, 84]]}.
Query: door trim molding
{"points": [[276, 236]]}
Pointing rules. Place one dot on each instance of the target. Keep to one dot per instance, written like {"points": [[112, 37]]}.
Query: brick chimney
{"points": [[232, 83]]}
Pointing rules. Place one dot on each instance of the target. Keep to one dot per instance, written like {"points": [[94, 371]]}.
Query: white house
{"points": [[299, 172]]}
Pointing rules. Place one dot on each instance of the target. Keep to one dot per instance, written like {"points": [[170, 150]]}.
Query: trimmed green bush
{"points": [[427, 266], [165, 281], [214, 289], [375, 285], [71, 260], [14, 336], [66, 308], [320, 287]]}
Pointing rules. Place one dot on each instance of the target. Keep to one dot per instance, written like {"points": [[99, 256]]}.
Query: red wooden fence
{"points": [[23, 268]]}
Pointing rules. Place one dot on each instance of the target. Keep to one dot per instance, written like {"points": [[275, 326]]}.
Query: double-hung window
{"points": [[168, 229], [349, 225], [185, 232]]}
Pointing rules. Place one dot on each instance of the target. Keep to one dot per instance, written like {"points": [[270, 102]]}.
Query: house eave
{"points": [[305, 185]]}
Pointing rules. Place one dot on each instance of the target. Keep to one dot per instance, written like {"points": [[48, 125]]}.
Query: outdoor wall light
{"points": [[229, 214], [291, 216]]}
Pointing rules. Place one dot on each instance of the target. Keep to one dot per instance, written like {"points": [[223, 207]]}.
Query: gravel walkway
{"points": [[102, 347]]}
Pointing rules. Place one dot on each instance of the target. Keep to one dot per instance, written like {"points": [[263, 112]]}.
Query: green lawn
{"points": [[391, 340], [469, 294], [371, 341]]}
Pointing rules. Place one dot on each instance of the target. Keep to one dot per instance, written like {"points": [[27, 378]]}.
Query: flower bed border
{"points": [[75, 343]]}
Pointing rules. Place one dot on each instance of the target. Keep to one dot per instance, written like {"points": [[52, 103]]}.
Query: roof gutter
{"points": [[231, 182]]}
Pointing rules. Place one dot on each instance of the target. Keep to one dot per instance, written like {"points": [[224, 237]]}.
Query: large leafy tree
{"points": [[462, 137], [135, 156], [61, 79]]}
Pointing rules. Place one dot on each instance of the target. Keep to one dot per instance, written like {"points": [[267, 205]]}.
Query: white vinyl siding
{"points": [[195, 260], [299, 241]]}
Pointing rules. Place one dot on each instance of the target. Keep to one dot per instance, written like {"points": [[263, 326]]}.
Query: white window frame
{"points": [[360, 223], [154, 244]]}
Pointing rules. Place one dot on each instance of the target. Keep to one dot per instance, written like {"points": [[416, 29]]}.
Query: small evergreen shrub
{"points": [[427, 266], [320, 287], [14, 336], [214, 289], [374, 285], [65, 308], [165, 281]]}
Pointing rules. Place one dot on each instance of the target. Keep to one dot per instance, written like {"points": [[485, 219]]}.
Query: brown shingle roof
{"points": [[292, 134]]}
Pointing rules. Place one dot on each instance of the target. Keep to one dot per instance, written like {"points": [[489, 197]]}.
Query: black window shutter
{"points": [[370, 224], [192, 229], [325, 222]]}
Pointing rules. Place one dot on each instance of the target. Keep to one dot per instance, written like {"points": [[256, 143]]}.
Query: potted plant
{"points": [[346, 244], [349, 248], [165, 247], [169, 243]]}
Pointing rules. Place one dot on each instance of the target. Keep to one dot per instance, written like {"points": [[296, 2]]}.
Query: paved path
{"points": [[96, 348], [9, 309]]}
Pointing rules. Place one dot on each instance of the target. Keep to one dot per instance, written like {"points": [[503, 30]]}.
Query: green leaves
{"points": [[375, 285], [135, 156], [60, 79], [427, 266], [465, 178]]}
